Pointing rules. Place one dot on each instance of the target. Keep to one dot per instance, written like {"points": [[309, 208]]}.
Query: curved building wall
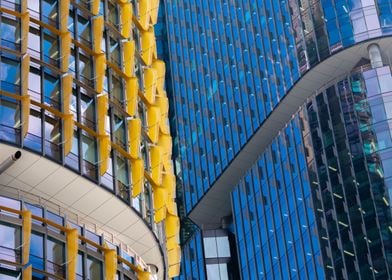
{"points": [[316, 205], [36, 242], [232, 64], [81, 85]]}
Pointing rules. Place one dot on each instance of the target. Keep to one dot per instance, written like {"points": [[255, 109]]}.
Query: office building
{"points": [[282, 114], [84, 115]]}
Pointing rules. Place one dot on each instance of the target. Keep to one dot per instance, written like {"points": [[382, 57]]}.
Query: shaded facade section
{"points": [[317, 203]]}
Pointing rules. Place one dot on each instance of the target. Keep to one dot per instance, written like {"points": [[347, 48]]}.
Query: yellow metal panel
{"points": [[172, 225], [165, 141], [27, 273], [23, 6], [160, 67], [67, 80], [26, 227], [160, 198], [171, 243], [148, 46], [64, 13], [144, 13], [25, 98], [97, 33], [72, 252], [25, 70], [129, 58], [169, 183], [153, 119], [25, 103], [65, 50], [154, 11], [25, 23], [135, 134], [150, 85], [156, 164], [174, 270], [68, 130], [163, 103], [95, 7], [173, 255], [104, 153], [132, 88], [126, 19], [110, 264], [100, 66], [137, 176], [143, 275], [102, 110]]}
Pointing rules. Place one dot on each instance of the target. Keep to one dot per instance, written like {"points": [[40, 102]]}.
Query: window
{"points": [[52, 90], [113, 13], [217, 271], [37, 252], [10, 239], [50, 48], [84, 30], [115, 53], [55, 257], [122, 178], [10, 33], [85, 66], [10, 74], [49, 12], [117, 93], [89, 151], [87, 108], [94, 269]]}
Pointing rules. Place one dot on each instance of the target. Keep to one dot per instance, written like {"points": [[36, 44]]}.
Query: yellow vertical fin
{"points": [[65, 50], [97, 33], [129, 58], [27, 273], [110, 264], [26, 235], [137, 176], [131, 87], [64, 14], [153, 120], [25, 24], [104, 153], [95, 7], [100, 67], [156, 164], [126, 19], [134, 137], [72, 252]]}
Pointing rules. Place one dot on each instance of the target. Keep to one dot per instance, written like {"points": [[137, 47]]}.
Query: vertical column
{"points": [[26, 235], [72, 252], [110, 264]]}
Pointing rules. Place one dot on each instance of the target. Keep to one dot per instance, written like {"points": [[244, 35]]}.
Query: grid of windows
{"points": [[232, 63], [81, 84], [349, 170], [275, 225], [49, 250], [317, 203], [192, 263]]}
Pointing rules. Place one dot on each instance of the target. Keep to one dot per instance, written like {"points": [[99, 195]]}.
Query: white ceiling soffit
{"points": [[82, 201]]}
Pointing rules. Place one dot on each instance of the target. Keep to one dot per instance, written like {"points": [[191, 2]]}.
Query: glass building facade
{"points": [[81, 85], [312, 78]]}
